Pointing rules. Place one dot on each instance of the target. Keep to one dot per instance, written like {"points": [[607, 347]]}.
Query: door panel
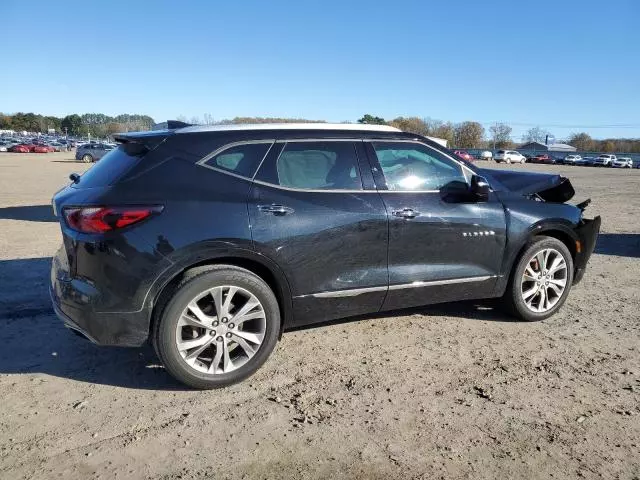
{"points": [[331, 244], [438, 250], [456, 247]]}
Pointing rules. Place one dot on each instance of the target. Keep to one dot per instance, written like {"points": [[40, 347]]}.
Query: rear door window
{"points": [[321, 165]]}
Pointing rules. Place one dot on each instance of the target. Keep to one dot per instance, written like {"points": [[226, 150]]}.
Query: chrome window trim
{"points": [[203, 161], [293, 189], [418, 284]]}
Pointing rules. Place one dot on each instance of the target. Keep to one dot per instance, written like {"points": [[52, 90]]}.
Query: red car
{"points": [[20, 149], [543, 158], [464, 155], [40, 149]]}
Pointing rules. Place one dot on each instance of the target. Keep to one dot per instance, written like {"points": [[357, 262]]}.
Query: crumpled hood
{"points": [[549, 187]]}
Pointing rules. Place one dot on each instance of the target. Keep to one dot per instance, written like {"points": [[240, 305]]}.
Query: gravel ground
{"points": [[450, 391]]}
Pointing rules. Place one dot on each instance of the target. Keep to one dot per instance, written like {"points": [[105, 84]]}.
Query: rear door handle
{"points": [[406, 213], [275, 209]]}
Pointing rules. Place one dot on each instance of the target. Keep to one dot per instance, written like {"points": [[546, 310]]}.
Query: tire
{"points": [[522, 160], [171, 312], [86, 158], [508, 160], [513, 299]]}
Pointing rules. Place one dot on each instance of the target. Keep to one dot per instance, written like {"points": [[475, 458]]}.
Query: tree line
{"points": [[468, 134], [95, 124], [471, 134]]}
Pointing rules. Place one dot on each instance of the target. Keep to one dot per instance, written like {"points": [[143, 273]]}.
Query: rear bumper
{"points": [[76, 303], [587, 232]]}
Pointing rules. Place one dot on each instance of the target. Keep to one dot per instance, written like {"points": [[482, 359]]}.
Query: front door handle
{"points": [[275, 209], [406, 213]]}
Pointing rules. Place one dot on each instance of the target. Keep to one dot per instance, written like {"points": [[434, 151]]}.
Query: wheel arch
{"points": [[559, 229], [257, 264]]}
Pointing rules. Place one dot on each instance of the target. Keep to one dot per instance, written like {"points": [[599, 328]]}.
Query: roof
{"points": [[562, 146], [360, 127], [558, 147]]}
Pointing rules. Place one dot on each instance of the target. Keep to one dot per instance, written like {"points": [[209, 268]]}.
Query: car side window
{"points": [[414, 167], [322, 165], [242, 159]]}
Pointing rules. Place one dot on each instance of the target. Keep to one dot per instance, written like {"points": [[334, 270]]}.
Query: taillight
{"points": [[106, 219]]}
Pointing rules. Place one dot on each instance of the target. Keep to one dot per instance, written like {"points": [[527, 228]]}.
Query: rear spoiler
{"points": [[171, 125], [154, 137]]}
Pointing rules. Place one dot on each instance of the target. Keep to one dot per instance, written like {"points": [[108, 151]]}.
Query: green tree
{"points": [[72, 124], [468, 135], [501, 135], [372, 120]]}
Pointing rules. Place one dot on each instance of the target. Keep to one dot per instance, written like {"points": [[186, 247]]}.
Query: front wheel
{"points": [[217, 327], [86, 158], [522, 160], [508, 160], [541, 280]]}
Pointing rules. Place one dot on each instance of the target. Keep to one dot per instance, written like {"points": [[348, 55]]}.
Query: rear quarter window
{"points": [[112, 165]]}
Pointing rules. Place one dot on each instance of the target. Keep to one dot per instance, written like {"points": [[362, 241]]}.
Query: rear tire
{"points": [[237, 358], [532, 307]]}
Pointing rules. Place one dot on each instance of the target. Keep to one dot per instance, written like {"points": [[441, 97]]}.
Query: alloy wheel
{"points": [[221, 329], [544, 280]]}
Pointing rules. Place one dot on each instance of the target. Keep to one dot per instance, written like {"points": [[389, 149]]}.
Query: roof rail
{"points": [[171, 125], [289, 126]]}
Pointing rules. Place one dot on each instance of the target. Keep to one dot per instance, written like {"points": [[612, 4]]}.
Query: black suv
{"points": [[212, 240]]}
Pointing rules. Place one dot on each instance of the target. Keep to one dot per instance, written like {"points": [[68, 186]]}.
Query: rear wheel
{"points": [[217, 327], [541, 280], [86, 158]]}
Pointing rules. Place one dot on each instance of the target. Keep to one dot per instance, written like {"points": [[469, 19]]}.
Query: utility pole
{"points": [[494, 135]]}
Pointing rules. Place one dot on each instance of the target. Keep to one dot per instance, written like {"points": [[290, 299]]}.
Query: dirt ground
{"points": [[449, 391]]}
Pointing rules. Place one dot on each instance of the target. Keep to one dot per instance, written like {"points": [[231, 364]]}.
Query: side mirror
{"points": [[480, 188]]}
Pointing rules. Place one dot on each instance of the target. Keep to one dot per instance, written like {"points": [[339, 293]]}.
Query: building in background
{"points": [[552, 147]]}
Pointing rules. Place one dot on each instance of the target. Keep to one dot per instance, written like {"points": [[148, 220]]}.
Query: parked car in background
{"points": [[572, 160], [20, 148], [543, 158], [604, 160], [58, 147], [509, 156], [486, 155], [211, 241], [464, 155], [92, 152], [622, 162], [585, 161], [40, 149]]}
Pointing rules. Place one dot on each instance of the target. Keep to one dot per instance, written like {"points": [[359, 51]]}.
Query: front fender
{"points": [[521, 228]]}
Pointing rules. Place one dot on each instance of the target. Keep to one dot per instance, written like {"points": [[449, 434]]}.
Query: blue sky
{"points": [[564, 65]]}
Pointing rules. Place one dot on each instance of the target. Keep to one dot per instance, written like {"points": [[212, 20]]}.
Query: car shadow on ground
{"points": [[30, 213], [34, 341], [65, 161], [619, 244], [482, 310]]}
